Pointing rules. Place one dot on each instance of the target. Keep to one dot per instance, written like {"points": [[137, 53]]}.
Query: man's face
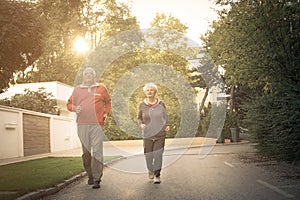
{"points": [[88, 77]]}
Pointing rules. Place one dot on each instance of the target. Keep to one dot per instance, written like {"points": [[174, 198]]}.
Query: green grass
{"points": [[20, 178]]}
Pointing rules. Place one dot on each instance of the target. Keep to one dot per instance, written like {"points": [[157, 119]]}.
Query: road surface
{"points": [[227, 172]]}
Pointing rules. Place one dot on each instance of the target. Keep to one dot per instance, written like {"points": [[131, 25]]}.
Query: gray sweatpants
{"points": [[153, 150], [91, 137]]}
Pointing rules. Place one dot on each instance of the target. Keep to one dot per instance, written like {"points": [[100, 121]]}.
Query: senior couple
{"points": [[92, 103]]}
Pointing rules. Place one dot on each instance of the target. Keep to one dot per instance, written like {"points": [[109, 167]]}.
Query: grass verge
{"points": [[20, 178]]}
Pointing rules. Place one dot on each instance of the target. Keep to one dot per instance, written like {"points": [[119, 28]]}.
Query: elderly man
{"points": [[92, 104]]}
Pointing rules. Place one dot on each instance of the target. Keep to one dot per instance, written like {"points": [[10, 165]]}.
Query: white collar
{"points": [[85, 86]]}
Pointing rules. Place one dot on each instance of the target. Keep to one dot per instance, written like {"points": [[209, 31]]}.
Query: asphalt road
{"points": [[227, 172]]}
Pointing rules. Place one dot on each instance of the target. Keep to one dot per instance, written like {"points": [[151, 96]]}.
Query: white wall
{"points": [[63, 135], [11, 134]]}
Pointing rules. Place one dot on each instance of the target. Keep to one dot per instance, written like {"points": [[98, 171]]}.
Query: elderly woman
{"points": [[154, 122]]}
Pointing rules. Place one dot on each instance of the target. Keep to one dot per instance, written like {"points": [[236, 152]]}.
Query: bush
{"points": [[39, 101], [216, 120], [274, 122], [231, 121]]}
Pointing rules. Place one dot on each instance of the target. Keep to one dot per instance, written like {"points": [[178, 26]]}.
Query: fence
{"points": [[24, 133]]}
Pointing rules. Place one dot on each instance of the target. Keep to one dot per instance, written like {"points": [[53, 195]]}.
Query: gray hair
{"points": [[89, 69], [150, 85]]}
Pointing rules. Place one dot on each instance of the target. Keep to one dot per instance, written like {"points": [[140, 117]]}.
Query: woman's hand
{"points": [[167, 128], [143, 126]]}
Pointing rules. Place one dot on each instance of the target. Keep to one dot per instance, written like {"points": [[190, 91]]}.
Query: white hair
{"points": [[89, 69], [150, 85]]}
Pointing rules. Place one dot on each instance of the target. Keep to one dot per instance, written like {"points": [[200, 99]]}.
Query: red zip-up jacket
{"points": [[94, 101]]}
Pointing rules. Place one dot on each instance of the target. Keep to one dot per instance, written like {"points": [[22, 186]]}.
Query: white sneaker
{"points": [[151, 175], [156, 180]]}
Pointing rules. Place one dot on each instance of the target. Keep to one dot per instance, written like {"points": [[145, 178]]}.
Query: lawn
{"points": [[20, 178]]}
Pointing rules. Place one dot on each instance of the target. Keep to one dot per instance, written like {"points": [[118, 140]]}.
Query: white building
{"points": [[25, 133]]}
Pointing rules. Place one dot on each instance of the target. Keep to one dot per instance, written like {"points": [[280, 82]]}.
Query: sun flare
{"points": [[80, 45]]}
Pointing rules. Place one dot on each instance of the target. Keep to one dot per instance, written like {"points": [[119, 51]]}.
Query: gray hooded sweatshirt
{"points": [[155, 118]]}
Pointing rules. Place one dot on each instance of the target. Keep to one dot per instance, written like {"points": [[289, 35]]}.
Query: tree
{"points": [[257, 42], [22, 33], [59, 61], [149, 58], [64, 20], [204, 74], [167, 37], [39, 101], [95, 21]]}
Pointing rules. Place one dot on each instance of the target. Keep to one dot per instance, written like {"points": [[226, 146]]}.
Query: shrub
{"points": [[39, 101], [275, 123]]}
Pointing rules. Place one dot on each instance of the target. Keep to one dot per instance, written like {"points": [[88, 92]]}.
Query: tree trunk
{"points": [[231, 98], [203, 100]]}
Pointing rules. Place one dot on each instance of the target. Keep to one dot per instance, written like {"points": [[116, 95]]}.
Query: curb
{"points": [[49, 191], [45, 192]]}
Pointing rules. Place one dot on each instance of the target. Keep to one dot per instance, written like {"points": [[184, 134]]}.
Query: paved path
{"points": [[133, 152], [221, 174], [122, 148]]}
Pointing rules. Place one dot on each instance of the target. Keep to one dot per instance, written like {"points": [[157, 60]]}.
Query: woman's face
{"points": [[150, 92]]}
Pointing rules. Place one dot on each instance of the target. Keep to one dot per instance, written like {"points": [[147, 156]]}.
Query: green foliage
{"points": [[22, 33], [39, 101], [205, 117], [166, 32], [258, 42], [275, 123], [128, 131], [231, 121], [114, 132], [170, 100], [208, 118], [65, 21], [59, 61], [126, 64]]}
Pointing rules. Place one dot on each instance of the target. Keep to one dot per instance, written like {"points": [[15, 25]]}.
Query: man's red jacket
{"points": [[94, 101]]}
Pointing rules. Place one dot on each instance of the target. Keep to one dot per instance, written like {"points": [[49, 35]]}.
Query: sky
{"points": [[196, 14]]}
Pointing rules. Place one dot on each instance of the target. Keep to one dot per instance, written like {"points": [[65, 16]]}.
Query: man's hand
{"points": [[78, 109], [105, 118]]}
